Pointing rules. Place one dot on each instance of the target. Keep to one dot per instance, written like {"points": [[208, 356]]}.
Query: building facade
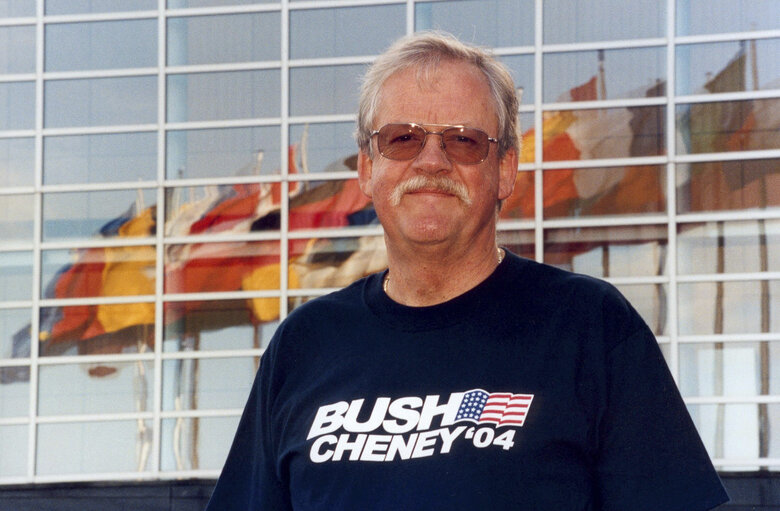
{"points": [[177, 176]]}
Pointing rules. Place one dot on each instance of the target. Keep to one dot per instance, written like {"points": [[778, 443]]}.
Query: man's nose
{"points": [[432, 158]]}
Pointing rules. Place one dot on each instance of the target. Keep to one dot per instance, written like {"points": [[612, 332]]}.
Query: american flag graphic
{"points": [[499, 408]]}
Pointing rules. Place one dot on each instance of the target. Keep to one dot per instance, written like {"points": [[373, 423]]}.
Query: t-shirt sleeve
{"points": [[650, 454], [249, 479]]}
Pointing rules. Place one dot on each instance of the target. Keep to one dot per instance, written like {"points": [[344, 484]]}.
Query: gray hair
{"points": [[424, 50]]}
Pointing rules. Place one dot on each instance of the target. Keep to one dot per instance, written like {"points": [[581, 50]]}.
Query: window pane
{"points": [[13, 450], [14, 393], [99, 271], [717, 16], [604, 20], [521, 243], [202, 383], [650, 300], [603, 133], [727, 66], [112, 213], [220, 324], [323, 204], [15, 276], [96, 6], [17, 106], [317, 33], [324, 90], [327, 147], [18, 55], [17, 157], [216, 96], [488, 23], [520, 205], [728, 185], [605, 74], [733, 430], [16, 218], [14, 333], [102, 45], [728, 247], [17, 8], [335, 262], [87, 445], [219, 209], [222, 267], [728, 368], [522, 69], [100, 101], [604, 191], [726, 126], [628, 251], [222, 152], [106, 158], [729, 307], [198, 443], [82, 389], [95, 329], [225, 38]]}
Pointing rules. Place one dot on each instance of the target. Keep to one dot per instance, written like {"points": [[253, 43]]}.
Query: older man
{"points": [[463, 377]]}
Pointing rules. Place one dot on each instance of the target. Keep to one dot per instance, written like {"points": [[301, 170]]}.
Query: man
{"points": [[464, 377]]}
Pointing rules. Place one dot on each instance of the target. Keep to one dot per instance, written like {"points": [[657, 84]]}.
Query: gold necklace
{"points": [[386, 280]]}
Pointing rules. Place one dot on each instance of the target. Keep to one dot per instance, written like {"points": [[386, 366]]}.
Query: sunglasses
{"points": [[461, 144]]}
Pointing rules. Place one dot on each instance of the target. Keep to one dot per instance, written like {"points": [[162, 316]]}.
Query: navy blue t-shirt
{"points": [[536, 390]]}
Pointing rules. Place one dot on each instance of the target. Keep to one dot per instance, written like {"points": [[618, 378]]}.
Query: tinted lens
{"points": [[465, 145], [400, 141]]}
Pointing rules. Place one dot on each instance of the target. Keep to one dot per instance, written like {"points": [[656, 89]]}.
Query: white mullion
{"points": [[607, 103], [410, 17], [331, 61], [91, 359], [538, 131], [726, 216], [99, 73], [199, 414], [26, 77], [671, 192], [728, 37], [229, 123], [605, 45], [224, 68], [322, 119], [604, 162], [606, 221], [728, 96], [731, 400], [231, 9], [284, 206], [729, 156], [99, 130], [324, 4], [730, 277], [732, 338], [92, 17], [99, 187]]}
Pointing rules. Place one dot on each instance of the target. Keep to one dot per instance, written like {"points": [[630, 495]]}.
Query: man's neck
{"points": [[435, 275]]}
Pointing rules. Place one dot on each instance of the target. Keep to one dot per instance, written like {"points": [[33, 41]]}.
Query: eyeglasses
{"points": [[461, 144]]}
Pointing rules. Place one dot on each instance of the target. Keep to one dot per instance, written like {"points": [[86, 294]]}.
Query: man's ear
{"points": [[507, 174], [364, 168]]}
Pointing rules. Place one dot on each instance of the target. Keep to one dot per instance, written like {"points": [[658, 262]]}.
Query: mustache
{"points": [[435, 183]]}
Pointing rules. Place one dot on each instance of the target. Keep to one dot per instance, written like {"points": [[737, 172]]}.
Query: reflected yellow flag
{"points": [[268, 278]]}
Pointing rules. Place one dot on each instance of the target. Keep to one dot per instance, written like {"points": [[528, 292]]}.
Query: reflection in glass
{"points": [[101, 158], [19, 54], [221, 267], [128, 442], [719, 16], [17, 8], [728, 247], [602, 191], [102, 45], [16, 218], [726, 126], [739, 307], [98, 271], [650, 301], [182, 4], [522, 69], [335, 262], [224, 38], [607, 20], [17, 158], [100, 101], [222, 152], [731, 66], [97, 330], [604, 74], [323, 147], [15, 276], [220, 324], [14, 392], [18, 100], [621, 251], [14, 333], [728, 368], [85, 388], [208, 383], [324, 90], [484, 22], [728, 185], [13, 459], [197, 443], [107, 214], [96, 6], [333, 203], [318, 33], [217, 96], [520, 205], [521, 243]]}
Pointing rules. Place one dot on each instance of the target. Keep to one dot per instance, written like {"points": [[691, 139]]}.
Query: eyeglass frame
{"points": [[444, 127]]}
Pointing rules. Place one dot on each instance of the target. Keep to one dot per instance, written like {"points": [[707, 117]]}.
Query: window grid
{"points": [[538, 225]]}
